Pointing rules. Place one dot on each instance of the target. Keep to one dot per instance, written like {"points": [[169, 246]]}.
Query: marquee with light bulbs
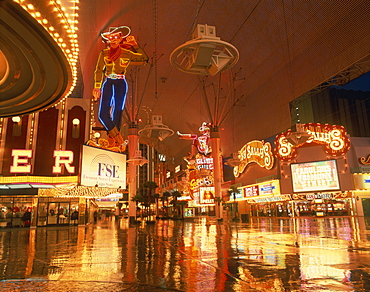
{"points": [[255, 151], [333, 137]]}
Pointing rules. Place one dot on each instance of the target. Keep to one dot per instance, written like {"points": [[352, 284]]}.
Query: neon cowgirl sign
{"points": [[200, 143], [334, 138], [255, 151], [21, 161]]}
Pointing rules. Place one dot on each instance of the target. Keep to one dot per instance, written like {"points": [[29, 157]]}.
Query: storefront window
{"points": [[42, 209], [321, 207], [15, 212], [74, 212], [63, 213], [22, 212], [6, 214], [304, 208]]}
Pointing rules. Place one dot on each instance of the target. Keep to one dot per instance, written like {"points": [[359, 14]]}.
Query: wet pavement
{"points": [[306, 254]]}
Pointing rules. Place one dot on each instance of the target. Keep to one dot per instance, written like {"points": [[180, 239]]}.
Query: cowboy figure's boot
{"points": [[116, 135], [111, 141]]}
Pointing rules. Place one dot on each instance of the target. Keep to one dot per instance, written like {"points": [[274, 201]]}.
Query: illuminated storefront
{"points": [[265, 199], [256, 161], [40, 168], [314, 173], [201, 186], [198, 186], [317, 190], [361, 193]]}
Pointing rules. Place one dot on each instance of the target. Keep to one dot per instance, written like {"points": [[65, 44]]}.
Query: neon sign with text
{"points": [[21, 159], [204, 162], [315, 176], [334, 138], [255, 151]]}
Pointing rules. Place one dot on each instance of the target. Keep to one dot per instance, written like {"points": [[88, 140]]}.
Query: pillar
{"points": [[82, 211], [215, 145], [133, 139], [34, 212]]}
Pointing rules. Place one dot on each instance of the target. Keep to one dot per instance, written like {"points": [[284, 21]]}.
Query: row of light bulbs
{"points": [[69, 47]]}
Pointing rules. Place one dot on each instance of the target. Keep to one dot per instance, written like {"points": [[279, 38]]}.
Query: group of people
{"points": [[15, 217]]}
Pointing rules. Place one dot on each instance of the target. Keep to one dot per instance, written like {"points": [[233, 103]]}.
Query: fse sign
{"points": [[102, 168]]}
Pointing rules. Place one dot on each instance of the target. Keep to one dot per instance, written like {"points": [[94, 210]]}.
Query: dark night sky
{"points": [[360, 83]]}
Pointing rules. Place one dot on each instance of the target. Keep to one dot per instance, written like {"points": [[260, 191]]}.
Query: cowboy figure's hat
{"points": [[124, 30]]}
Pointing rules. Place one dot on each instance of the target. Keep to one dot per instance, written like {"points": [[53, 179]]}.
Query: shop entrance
{"points": [[57, 211], [366, 206]]}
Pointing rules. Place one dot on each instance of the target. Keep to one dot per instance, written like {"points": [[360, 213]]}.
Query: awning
{"points": [[74, 190]]}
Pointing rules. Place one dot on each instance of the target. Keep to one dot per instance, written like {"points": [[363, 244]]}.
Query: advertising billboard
{"points": [[250, 191], [102, 168], [267, 188], [315, 176]]}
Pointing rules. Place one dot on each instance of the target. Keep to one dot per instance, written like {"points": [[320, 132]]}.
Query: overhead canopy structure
{"points": [[286, 49], [205, 53]]}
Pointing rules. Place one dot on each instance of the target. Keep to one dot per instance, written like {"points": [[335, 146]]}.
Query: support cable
{"points": [[246, 19], [206, 100]]}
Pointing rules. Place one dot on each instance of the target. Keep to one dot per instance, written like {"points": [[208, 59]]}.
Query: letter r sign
{"points": [[63, 158]]}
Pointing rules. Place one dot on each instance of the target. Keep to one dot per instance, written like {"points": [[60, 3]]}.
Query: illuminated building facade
{"points": [[319, 170], [41, 151]]}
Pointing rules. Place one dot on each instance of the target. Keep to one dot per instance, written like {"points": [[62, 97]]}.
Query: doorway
{"points": [[366, 206], [58, 213]]}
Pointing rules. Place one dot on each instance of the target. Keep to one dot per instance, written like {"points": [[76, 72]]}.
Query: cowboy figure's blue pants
{"points": [[112, 102]]}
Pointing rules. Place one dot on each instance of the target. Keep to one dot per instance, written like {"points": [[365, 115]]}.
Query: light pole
{"points": [[206, 54], [135, 160], [133, 139], [215, 145]]}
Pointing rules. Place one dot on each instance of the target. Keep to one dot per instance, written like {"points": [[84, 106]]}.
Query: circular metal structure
{"points": [[34, 71], [204, 56], [156, 131], [137, 159]]}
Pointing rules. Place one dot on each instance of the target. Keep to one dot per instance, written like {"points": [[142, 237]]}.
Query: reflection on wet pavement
{"points": [[306, 254]]}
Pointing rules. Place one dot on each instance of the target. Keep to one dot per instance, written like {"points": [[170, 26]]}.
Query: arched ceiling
{"points": [[286, 47]]}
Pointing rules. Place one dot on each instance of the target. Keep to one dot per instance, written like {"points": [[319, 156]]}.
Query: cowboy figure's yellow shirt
{"points": [[105, 67]]}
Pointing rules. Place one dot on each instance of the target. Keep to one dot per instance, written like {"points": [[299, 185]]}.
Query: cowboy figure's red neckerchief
{"points": [[114, 53]]}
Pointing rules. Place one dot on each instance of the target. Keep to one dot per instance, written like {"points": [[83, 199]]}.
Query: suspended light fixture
{"points": [[138, 159], [156, 129], [205, 53], [298, 136], [234, 160]]}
